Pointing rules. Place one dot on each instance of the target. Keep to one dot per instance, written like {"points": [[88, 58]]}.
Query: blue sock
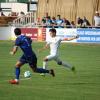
{"points": [[17, 73], [41, 70]]}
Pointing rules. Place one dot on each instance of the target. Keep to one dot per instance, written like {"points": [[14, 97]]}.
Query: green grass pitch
{"points": [[84, 85]]}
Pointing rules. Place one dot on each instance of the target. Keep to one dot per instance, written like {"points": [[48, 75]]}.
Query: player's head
{"points": [[17, 31], [52, 32]]}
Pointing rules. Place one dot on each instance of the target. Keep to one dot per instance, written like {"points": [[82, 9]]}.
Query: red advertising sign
{"points": [[30, 32]]}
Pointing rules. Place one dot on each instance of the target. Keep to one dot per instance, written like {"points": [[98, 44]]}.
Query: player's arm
{"points": [[71, 38], [14, 50], [44, 48]]}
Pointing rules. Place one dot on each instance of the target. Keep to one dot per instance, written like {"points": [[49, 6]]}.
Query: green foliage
{"points": [[84, 85]]}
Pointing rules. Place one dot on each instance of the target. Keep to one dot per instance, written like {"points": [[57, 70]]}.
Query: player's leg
{"points": [[33, 65], [41, 70], [18, 65], [65, 64], [46, 59], [17, 73], [45, 62]]}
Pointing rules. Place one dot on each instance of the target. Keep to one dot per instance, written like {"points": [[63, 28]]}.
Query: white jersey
{"points": [[54, 45]]}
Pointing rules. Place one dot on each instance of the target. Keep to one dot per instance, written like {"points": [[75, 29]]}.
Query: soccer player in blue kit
{"points": [[29, 56]]}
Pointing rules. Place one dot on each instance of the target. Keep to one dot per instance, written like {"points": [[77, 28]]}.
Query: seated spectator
{"points": [[86, 23], [72, 25], [59, 21], [43, 21], [53, 20], [97, 19], [38, 22], [79, 22], [48, 22], [66, 23]]}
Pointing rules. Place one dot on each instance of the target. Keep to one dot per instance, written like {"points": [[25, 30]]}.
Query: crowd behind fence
{"points": [[30, 20]]}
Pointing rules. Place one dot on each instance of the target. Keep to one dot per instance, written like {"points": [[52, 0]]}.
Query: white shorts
{"points": [[53, 57]]}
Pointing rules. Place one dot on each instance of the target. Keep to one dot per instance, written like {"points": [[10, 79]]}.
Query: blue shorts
{"points": [[31, 60]]}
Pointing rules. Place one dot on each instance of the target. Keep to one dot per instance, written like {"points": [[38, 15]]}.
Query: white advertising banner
{"points": [[5, 33], [64, 33]]}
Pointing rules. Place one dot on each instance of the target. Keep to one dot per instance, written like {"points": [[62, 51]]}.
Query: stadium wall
{"points": [[36, 34], [88, 35]]}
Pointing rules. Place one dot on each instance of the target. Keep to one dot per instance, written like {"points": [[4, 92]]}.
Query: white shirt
{"points": [[97, 20], [54, 43]]}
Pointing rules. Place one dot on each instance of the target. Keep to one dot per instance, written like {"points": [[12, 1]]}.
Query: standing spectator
{"points": [[22, 19], [97, 19]]}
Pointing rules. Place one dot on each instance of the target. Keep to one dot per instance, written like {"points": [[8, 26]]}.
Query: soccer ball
{"points": [[27, 74]]}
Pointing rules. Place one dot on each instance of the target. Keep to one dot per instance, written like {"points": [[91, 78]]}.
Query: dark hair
{"points": [[17, 31], [52, 30]]}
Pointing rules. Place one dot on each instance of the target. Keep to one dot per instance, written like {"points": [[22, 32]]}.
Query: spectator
{"points": [[48, 22], [43, 21], [59, 21], [38, 22], [53, 22], [86, 23], [79, 22], [66, 23], [22, 19], [72, 24], [97, 19]]}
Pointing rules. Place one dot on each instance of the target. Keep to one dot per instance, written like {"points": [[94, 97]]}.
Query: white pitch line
{"points": [[20, 79]]}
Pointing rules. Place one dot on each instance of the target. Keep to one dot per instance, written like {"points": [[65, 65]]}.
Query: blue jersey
{"points": [[24, 43]]}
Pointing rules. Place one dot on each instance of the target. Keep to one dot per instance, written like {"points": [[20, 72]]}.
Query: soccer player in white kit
{"points": [[54, 44]]}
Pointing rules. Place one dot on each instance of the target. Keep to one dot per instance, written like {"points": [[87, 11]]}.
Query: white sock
{"points": [[44, 64]]}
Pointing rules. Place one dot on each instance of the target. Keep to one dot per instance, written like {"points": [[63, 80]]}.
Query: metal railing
{"points": [[25, 20]]}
